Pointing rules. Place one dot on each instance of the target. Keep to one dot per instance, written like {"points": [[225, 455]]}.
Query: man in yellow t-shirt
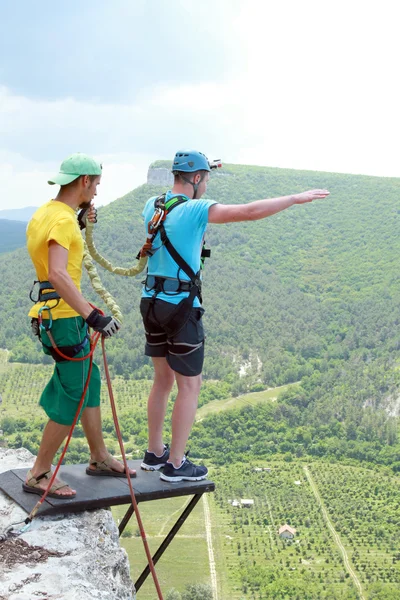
{"points": [[55, 246]]}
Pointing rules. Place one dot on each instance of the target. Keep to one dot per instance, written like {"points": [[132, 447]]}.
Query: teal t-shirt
{"points": [[185, 227]]}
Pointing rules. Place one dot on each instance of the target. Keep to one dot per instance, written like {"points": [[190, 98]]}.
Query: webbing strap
{"points": [[68, 351], [44, 297], [180, 261], [174, 201]]}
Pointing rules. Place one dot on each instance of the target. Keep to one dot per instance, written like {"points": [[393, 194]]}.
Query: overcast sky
{"points": [[307, 85]]}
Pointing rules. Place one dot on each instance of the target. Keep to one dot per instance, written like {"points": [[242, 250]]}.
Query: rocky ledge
{"points": [[68, 557]]}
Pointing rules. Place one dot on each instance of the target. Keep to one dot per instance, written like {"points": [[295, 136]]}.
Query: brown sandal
{"points": [[104, 469], [32, 486]]}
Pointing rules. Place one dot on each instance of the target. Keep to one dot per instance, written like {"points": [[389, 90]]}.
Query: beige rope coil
{"points": [[127, 272], [90, 252]]}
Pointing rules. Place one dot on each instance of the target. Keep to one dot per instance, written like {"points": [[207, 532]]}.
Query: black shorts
{"points": [[184, 351]]}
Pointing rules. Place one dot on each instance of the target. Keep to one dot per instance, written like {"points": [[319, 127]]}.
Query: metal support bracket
{"points": [[168, 539]]}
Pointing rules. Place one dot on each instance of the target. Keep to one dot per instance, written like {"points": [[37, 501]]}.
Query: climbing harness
{"points": [[45, 293], [161, 209], [58, 353], [181, 314], [171, 286]]}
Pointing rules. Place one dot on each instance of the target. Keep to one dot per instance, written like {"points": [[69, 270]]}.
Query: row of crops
{"points": [[363, 506]]}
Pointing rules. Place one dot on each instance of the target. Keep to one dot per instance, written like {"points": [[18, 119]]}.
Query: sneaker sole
{"points": [[177, 478], [151, 467]]}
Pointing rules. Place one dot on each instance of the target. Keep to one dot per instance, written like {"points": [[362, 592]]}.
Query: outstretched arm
{"points": [[259, 209]]}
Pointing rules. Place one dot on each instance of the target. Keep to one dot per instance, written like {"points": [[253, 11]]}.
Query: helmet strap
{"points": [[195, 185]]}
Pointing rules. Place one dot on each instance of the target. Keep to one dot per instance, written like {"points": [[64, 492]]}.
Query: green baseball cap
{"points": [[73, 167]]}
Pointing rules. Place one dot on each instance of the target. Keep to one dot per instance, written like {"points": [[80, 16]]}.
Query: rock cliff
{"points": [[70, 557], [160, 176]]}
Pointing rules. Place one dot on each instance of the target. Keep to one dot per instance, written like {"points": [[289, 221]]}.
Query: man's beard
{"points": [[85, 204]]}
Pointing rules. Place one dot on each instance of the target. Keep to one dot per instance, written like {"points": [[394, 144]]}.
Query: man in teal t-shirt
{"points": [[186, 226], [171, 304]]}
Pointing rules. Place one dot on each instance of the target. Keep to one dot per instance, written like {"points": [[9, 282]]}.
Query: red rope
{"points": [[134, 503], [71, 431]]}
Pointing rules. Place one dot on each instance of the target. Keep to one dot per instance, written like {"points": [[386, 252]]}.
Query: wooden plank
{"points": [[10, 484], [99, 492]]}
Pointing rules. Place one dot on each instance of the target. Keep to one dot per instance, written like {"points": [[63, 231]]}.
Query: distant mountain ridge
{"points": [[18, 214], [12, 235]]}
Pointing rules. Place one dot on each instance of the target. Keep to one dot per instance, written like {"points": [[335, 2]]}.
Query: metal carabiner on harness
{"points": [[40, 319], [46, 292], [152, 229], [155, 221], [31, 292]]}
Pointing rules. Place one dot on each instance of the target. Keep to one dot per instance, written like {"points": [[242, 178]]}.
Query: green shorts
{"points": [[61, 396]]}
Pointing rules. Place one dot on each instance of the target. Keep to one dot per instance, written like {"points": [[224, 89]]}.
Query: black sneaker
{"points": [[152, 462], [186, 472]]}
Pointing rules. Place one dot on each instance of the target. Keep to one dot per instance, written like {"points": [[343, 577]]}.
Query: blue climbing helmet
{"points": [[190, 161]]}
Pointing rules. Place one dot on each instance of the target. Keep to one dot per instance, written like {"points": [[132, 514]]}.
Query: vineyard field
{"points": [[185, 560], [364, 507], [252, 562], [255, 563]]}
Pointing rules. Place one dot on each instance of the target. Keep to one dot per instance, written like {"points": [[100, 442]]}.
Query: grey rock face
{"points": [[68, 557], [160, 176]]}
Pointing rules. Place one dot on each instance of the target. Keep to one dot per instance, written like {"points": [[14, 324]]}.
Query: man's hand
{"points": [[310, 196], [85, 214], [107, 326]]}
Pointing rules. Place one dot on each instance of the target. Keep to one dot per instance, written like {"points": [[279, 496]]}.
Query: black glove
{"points": [[82, 217], [106, 325]]}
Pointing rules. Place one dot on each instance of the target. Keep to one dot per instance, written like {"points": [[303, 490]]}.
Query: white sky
{"points": [[308, 85]]}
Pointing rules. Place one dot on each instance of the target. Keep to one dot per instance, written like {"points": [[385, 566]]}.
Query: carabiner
{"points": [[40, 318]]}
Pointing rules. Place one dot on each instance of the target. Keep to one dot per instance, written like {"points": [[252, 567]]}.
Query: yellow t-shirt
{"points": [[55, 221]]}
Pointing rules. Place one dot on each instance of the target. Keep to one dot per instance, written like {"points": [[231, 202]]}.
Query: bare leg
{"points": [[183, 415], [91, 423], [164, 378], [53, 436]]}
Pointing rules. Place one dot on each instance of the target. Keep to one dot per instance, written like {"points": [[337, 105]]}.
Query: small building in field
{"points": [[286, 532], [246, 502]]}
